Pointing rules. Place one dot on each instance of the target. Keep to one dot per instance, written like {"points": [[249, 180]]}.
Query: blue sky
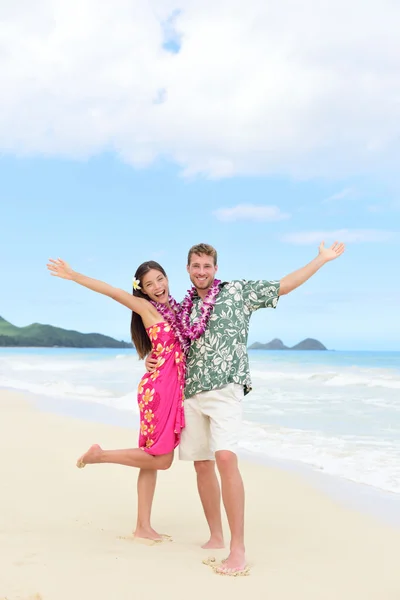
{"points": [[105, 218], [125, 137]]}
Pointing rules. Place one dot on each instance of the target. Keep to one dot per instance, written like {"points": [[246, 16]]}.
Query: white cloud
{"points": [[342, 195], [251, 212], [280, 86], [342, 235]]}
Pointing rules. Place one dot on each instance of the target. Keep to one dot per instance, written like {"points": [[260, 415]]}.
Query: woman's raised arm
{"points": [[59, 268]]}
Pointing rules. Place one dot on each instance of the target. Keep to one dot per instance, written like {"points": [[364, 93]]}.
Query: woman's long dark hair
{"points": [[139, 335]]}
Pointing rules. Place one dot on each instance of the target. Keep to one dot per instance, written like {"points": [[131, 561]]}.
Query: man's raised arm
{"points": [[294, 280]]}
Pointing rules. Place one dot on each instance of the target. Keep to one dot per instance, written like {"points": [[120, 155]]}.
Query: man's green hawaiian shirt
{"points": [[220, 356]]}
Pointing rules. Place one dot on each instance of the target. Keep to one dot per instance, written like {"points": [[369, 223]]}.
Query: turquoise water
{"points": [[338, 412], [363, 359]]}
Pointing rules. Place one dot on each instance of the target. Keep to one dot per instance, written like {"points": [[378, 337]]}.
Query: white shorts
{"points": [[212, 422]]}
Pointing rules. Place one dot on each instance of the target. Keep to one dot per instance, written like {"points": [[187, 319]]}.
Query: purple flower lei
{"points": [[171, 315], [195, 330], [178, 316]]}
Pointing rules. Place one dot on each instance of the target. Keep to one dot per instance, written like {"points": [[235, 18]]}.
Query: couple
{"points": [[197, 374]]}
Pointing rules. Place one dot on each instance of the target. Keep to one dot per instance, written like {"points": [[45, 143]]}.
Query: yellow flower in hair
{"points": [[136, 284]]}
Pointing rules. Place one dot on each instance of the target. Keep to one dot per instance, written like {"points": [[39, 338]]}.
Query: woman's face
{"points": [[155, 285]]}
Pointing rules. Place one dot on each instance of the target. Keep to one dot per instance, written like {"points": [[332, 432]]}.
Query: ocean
{"points": [[334, 412]]}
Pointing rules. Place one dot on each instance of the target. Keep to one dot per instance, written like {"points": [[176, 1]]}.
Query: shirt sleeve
{"points": [[261, 294]]}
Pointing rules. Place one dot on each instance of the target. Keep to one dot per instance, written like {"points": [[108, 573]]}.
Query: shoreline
{"points": [[66, 532], [380, 504]]}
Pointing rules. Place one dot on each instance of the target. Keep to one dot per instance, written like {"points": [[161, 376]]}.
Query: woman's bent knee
{"points": [[165, 462]]}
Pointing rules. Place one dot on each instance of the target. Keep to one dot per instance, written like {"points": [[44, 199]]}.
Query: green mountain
{"points": [[307, 344], [272, 345], [47, 336]]}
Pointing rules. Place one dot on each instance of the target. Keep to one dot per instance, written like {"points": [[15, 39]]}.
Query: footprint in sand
{"points": [[146, 541]]}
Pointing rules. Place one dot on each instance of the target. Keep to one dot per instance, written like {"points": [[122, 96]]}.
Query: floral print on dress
{"points": [[160, 394]]}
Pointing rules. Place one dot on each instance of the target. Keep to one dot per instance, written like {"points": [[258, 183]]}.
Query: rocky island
{"points": [[47, 336], [276, 344]]}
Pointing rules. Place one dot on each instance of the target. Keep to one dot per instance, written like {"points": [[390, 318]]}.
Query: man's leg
{"points": [[233, 499], [225, 411], [195, 446], [210, 496]]}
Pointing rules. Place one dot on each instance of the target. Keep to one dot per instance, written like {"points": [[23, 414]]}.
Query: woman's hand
{"points": [[59, 268], [151, 363]]}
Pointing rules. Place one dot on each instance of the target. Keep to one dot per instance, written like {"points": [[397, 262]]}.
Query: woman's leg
{"points": [[146, 486], [130, 457]]}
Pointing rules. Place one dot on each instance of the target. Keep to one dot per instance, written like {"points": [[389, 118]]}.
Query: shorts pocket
{"points": [[238, 391]]}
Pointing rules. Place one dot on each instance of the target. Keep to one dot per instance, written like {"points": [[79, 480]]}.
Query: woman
{"points": [[154, 328]]}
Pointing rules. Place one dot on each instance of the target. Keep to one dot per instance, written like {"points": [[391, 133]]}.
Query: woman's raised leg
{"points": [[129, 457]]}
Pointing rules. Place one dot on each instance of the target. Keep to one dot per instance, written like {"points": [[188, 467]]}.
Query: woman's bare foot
{"points": [[90, 457], [147, 533], [214, 543]]}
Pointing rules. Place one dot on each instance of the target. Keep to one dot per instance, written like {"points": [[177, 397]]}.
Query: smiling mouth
{"points": [[160, 295]]}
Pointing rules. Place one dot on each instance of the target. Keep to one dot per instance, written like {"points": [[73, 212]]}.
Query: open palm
{"points": [[59, 268], [331, 253]]}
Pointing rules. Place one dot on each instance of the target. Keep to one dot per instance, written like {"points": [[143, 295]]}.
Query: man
{"points": [[217, 378]]}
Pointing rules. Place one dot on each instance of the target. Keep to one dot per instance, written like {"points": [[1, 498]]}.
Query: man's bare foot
{"points": [[90, 457], [234, 564], [147, 533], [214, 543]]}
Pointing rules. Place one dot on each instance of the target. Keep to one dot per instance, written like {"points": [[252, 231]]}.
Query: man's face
{"points": [[202, 271]]}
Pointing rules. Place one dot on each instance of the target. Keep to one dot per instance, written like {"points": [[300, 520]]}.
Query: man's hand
{"points": [[151, 363], [331, 253], [294, 280]]}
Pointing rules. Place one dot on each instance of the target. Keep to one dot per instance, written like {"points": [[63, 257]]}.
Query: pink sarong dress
{"points": [[160, 394]]}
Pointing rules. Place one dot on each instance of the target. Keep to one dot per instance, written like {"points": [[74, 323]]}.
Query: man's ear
{"points": [[187, 268]]}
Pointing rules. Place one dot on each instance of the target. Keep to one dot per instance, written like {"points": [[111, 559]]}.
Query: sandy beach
{"points": [[65, 533]]}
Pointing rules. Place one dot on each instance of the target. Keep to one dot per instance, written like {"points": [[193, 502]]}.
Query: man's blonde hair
{"points": [[202, 249]]}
